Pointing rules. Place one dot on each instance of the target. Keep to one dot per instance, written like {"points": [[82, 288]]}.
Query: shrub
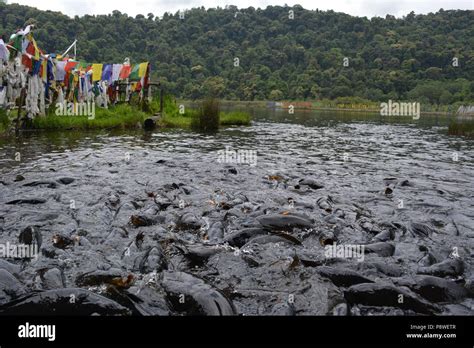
{"points": [[207, 120]]}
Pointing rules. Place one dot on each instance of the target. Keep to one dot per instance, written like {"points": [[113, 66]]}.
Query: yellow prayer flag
{"points": [[32, 40], [97, 72], [142, 69], [44, 75]]}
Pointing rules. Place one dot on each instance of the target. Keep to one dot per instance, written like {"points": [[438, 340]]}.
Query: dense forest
{"points": [[275, 53]]}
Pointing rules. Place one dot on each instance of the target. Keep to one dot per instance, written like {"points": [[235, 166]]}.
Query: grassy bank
{"points": [[236, 118], [4, 122], [464, 129], [341, 103], [119, 116], [176, 117], [124, 116], [185, 121]]}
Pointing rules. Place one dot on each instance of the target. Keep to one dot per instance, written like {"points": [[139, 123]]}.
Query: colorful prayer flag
{"points": [[134, 74], [97, 72], [125, 72]]}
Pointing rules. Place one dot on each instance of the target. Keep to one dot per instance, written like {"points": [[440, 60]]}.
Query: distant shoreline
{"points": [[264, 104]]}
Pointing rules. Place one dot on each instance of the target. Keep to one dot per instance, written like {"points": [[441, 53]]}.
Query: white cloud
{"points": [[367, 8]]}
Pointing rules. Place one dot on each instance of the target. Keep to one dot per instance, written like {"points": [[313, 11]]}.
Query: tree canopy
{"points": [[257, 54]]}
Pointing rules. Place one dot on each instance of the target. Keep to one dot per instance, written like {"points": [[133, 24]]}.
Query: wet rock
{"points": [[448, 267], [232, 171], [66, 180], [10, 287], [62, 241], [434, 289], [311, 183], [375, 294], [146, 220], [27, 201], [70, 301], [30, 235], [284, 222], [239, 238], [198, 296], [342, 276], [382, 249]]}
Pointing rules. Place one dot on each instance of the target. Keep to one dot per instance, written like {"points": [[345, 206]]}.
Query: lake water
{"points": [[164, 209]]}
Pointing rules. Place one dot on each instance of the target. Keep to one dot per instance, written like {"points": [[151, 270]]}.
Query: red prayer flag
{"points": [[26, 61], [125, 72], [70, 65]]}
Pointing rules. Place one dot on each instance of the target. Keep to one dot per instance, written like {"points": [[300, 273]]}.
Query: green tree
{"points": [[275, 94], [214, 86]]}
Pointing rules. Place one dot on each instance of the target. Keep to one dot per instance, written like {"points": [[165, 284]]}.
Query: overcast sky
{"points": [[367, 8]]}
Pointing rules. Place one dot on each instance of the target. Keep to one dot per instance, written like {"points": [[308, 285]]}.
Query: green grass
{"points": [[208, 117], [465, 129], [173, 121], [127, 116], [4, 122], [172, 118], [119, 116], [235, 118]]}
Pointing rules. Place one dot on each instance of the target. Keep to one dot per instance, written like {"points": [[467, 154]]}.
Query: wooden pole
{"points": [[20, 107], [161, 100]]}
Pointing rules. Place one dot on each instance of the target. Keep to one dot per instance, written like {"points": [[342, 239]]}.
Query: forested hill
{"points": [[278, 57]]}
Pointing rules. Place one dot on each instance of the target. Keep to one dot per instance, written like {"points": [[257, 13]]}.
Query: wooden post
{"points": [[20, 107], [161, 100]]}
